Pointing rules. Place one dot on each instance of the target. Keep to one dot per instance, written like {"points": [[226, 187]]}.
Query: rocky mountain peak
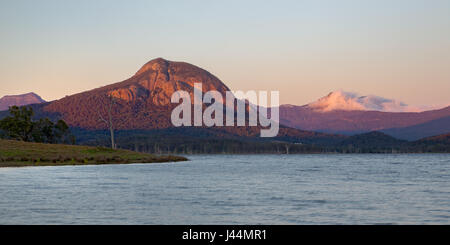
{"points": [[142, 101], [158, 79], [157, 65]]}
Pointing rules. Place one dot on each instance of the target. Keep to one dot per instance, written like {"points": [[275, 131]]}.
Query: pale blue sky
{"points": [[396, 49]]}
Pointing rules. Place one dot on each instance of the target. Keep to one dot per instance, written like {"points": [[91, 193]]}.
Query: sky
{"points": [[304, 49]]}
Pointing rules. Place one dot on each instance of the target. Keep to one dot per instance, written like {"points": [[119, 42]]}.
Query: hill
{"points": [[141, 102], [354, 121], [17, 154], [438, 143], [416, 132], [378, 142], [19, 100], [372, 142], [438, 139]]}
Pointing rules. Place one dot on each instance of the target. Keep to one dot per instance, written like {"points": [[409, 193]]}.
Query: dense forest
{"points": [[204, 141], [190, 141]]}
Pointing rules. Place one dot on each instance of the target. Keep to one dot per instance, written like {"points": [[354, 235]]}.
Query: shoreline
{"points": [[28, 154], [50, 164]]}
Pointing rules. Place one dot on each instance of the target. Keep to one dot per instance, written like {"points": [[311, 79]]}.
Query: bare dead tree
{"points": [[109, 120], [287, 148]]}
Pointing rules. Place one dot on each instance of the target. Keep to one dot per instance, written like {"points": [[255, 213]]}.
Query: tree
{"points": [[19, 125], [109, 120], [62, 132], [43, 131]]}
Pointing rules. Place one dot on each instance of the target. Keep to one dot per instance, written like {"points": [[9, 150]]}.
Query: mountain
{"points": [[19, 100], [347, 113], [347, 101], [142, 105], [353, 122], [141, 102], [419, 131]]}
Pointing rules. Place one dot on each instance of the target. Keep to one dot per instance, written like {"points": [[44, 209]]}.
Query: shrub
{"points": [[150, 159], [100, 159], [80, 160], [117, 159]]}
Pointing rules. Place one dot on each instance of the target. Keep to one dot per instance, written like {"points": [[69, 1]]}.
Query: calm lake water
{"points": [[234, 189]]}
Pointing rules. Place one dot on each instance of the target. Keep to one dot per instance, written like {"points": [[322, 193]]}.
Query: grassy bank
{"points": [[20, 154]]}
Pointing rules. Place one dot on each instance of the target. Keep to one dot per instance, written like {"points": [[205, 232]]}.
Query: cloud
{"points": [[348, 101]]}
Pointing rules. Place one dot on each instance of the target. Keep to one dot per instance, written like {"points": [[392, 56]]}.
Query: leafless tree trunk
{"points": [[109, 122], [287, 148]]}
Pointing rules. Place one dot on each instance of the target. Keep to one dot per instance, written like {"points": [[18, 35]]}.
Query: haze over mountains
{"points": [[142, 102]]}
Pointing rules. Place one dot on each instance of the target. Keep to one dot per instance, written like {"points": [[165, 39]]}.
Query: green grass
{"points": [[20, 154]]}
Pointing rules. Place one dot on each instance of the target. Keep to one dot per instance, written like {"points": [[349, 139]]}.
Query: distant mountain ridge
{"points": [[19, 100], [341, 120], [347, 113], [419, 131]]}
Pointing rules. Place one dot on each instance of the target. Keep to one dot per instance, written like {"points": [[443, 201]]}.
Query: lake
{"points": [[235, 189]]}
